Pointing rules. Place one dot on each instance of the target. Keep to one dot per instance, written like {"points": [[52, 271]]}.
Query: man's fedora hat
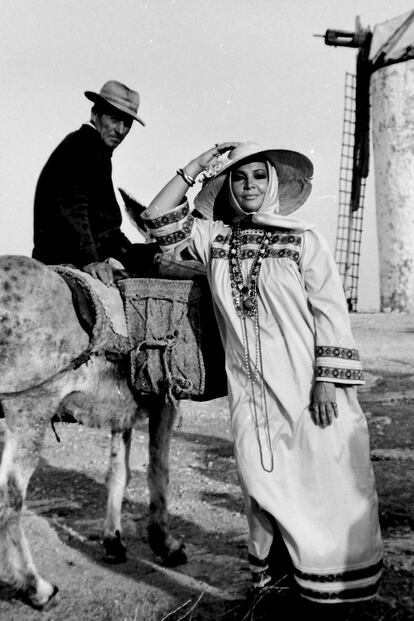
{"points": [[294, 173], [119, 96]]}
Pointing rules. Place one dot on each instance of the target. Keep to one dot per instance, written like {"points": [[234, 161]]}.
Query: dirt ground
{"points": [[66, 505]]}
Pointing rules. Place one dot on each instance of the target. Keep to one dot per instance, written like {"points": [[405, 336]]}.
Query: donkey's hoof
{"points": [[115, 551], [176, 557], [115, 559], [42, 603]]}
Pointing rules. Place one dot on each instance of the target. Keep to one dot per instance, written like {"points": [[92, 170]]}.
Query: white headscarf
{"points": [[268, 212]]}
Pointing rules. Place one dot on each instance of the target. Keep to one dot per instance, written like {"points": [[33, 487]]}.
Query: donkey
{"points": [[42, 376]]}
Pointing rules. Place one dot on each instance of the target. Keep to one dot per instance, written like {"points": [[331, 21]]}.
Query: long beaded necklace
{"points": [[245, 301]]}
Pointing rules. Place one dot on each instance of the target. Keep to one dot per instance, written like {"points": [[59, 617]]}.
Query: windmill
{"points": [[390, 44]]}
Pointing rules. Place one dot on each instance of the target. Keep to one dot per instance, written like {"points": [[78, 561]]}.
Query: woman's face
{"points": [[249, 183]]}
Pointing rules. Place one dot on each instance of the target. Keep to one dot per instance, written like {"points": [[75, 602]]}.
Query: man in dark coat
{"points": [[77, 218]]}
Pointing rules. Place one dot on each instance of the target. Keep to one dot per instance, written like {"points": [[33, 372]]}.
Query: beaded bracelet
{"points": [[187, 178]]}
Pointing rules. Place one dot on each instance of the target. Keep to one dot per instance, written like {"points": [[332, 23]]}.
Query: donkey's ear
{"points": [[134, 210]]}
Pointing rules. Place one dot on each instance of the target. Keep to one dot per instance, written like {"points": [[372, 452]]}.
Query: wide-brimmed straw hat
{"points": [[118, 96], [294, 172]]}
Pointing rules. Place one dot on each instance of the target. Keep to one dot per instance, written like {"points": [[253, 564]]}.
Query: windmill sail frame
{"points": [[351, 200]]}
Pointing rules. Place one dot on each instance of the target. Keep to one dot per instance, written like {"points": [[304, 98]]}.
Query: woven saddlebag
{"points": [[177, 350]]}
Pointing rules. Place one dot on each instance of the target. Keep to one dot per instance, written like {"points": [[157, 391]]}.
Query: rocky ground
{"points": [[66, 504]]}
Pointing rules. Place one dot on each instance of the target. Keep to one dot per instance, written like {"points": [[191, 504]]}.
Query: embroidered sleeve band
{"points": [[171, 228], [338, 364]]}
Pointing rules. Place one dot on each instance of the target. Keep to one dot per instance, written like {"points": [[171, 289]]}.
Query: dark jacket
{"points": [[77, 218]]}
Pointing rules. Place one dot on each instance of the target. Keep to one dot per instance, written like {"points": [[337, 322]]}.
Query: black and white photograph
{"points": [[207, 310]]}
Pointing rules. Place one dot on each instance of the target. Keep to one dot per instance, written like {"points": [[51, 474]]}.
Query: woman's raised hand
{"points": [[173, 193], [207, 159]]}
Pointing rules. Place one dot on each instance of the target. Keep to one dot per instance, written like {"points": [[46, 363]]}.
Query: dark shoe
{"points": [[325, 612]]}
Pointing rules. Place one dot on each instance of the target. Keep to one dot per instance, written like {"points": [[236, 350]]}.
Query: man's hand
{"points": [[102, 271], [323, 405]]}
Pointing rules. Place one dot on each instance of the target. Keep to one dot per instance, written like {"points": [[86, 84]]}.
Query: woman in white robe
{"points": [[300, 437]]}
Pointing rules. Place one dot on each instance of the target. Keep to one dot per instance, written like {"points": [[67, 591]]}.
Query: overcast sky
{"points": [[206, 70]]}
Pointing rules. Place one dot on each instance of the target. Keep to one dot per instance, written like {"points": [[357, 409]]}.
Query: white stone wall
{"points": [[392, 122]]}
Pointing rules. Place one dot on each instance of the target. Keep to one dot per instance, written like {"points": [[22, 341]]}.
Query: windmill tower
{"points": [[380, 94]]}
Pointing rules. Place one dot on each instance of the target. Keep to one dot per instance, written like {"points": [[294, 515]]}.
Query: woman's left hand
{"points": [[323, 405]]}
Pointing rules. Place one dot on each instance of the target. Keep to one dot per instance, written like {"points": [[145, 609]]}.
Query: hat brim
{"points": [[294, 172], [97, 98]]}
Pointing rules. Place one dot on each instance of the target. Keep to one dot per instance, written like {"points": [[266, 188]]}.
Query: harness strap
{"points": [[77, 362], [166, 347]]}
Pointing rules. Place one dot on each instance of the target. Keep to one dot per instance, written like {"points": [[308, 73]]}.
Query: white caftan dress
{"points": [[316, 484]]}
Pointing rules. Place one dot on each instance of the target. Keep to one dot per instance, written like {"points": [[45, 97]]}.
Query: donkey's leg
{"points": [[23, 441], [117, 478], [161, 420]]}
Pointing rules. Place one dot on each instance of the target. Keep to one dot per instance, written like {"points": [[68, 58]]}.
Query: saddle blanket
{"points": [[166, 327], [110, 298]]}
